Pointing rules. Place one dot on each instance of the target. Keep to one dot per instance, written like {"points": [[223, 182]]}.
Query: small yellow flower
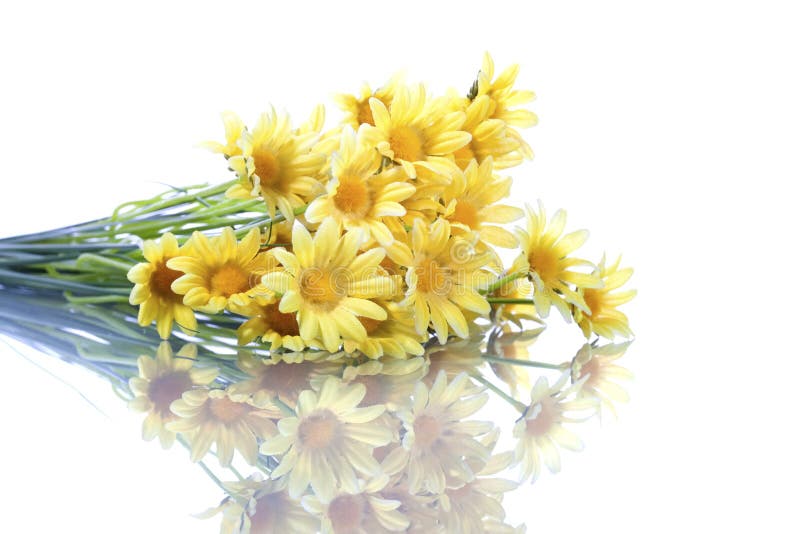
{"points": [[160, 382], [395, 336], [443, 279], [416, 133], [358, 196], [220, 271], [234, 127], [328, 441], [267, 323], [471, 205], [504, 98], [277, 164], [153, 287], [328, 284], [231, 422], [357, 109], [605, 319], [546, 255], [491, 138]]}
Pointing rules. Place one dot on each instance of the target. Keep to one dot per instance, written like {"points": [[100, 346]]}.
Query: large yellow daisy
{"points": [[153, 287], [471, 205], [276, 164], [220, 271], [415, 133], [490, 137], [160, 382], [358, 196], [328, 284], [546, 256], [604, 318], [357, 109], [444, 278]]}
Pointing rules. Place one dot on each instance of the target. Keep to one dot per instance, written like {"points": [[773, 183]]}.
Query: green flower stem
{"points": [[497, 300], [65, 247], [184, 198], [93, 260], [94, 300], [267, 220], [503, 281], [508, 398], [524, 363], [46, 282]]}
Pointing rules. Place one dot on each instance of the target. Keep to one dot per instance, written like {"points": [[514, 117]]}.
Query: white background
{"points": [[669, 129]]}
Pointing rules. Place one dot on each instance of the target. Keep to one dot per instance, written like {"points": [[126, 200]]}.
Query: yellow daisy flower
{"points": [[541, 426], [546, 255], [439, 443], [364, 512], [215, 416], [328, 441], [153, 287], [596, 368], [604, 318], [470, 205], [358, 196], [357, 109], [160, 382], [276, 164], [395, 336], [329, 285], [267, 323], [220, 271], [490, 137], [444, 277], [414, 133], [504, 98]]}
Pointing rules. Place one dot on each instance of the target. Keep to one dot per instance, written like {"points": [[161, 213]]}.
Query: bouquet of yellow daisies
{"points": [[343, 303]]}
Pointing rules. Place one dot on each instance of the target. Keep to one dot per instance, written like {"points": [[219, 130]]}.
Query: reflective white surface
{"points": [[670, 132]]}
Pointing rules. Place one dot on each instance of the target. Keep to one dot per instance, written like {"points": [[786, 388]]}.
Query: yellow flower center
{"points": [[161, 282], [284, 324], [228, 411], [594, 301], [432, 278], [353, 196], [319, 430], [543, 419], [369, 324], [364, 113], [427, 431], [546, 264], [230, 279], [466, 213], [407, 143], [165, 389], [266, 166], [464, 155], [320, 288], [346, 512]]}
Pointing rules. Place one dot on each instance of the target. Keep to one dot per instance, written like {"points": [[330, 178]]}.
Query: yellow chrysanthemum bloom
{"points": [[443, 279], [395, 336], [596, 368], [328, 284], [470, 205], [160, 382], [490, 137], [604, 318], [364, 512], [276, 164], [231, 422], [439, 442], [153, 287], [546, 255], [267, 323], [328, 441], [504, 98], [358, 196], [541, 427], [357, 109], [415, 133], [220, 271]]}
